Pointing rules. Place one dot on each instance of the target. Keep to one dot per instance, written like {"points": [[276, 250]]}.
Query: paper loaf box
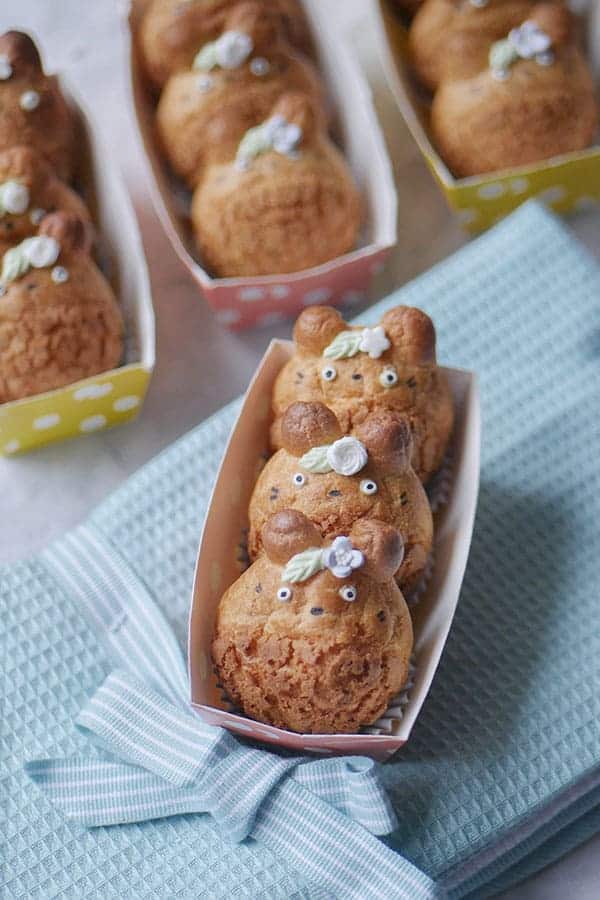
{"points": [[244, 302], [221, 559], [565, 183], [113, 397]]}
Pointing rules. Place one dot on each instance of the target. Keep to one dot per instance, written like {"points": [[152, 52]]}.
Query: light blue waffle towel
{"points": [[502, 773]]}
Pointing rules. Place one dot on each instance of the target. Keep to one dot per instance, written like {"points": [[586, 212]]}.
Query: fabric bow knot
{"points": [[151, 756]]}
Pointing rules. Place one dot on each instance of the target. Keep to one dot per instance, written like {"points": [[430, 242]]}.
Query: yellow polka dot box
{"points": [[566, 183], [260, 300], [116, 396]]}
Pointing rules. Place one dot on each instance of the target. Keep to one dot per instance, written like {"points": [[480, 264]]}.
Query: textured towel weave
{"points": [[502, 772]]}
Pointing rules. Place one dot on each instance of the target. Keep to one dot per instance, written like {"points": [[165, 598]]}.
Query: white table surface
{"points": [[200, 366]]}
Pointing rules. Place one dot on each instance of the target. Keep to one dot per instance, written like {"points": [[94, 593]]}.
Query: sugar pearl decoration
{"points": [[15, 197], [42, 251], [59, 274], [260, 66], [36, 215], [6, 69], [205, 84], [29, 101]]}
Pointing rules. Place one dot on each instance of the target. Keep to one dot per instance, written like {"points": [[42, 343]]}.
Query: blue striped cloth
{"points": [[502, 772]]}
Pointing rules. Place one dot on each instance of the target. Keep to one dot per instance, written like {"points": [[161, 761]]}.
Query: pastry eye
{"points": [[388, 378], [299, 479], [348, 593], [329, 373], [368, 486], [284, 594]]}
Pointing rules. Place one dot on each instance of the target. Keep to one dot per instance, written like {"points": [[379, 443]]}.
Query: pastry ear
{"points": [[20, 50], [308, 425], [286, 533], [299, 109], [412, 333], [316, 327], [25, 164], [555, 20], [260, 22], [68, 229], [387, 436], [382, 547]]}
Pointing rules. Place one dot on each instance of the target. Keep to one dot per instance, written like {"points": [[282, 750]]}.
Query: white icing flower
{"points": [[275, 134], [41, 251], [286, 138], [374, 341], [529, 40], [347, 456], [29, 101], [233, 49], [6, 69], [14, 198], [341, 558]]}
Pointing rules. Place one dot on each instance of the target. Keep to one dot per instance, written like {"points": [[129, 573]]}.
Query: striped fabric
{"points": [[151, 757]]}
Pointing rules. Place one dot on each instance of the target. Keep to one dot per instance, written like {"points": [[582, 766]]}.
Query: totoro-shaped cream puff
{"points": [[286, 203], [450, 39], [316, 637], [335, 480], [355, 370], [33, 111], [29, 190], [232, 86], [172, 31], [534, 101], [59, 319]]}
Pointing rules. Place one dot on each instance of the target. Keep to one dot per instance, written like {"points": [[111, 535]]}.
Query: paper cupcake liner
{"points": [[440, 486]]}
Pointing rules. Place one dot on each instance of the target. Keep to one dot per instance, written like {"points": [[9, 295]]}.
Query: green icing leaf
{"points": [[502, 55], [14, 264], [303, 566], [206, 59], [256, 141], [316, 460], [344, 345]]}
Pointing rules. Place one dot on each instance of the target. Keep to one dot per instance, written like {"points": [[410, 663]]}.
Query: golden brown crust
{"points": [[421, 393], [307, 425], [48, 127], [450, 39], [282, 214], [336, 503], [173, 31], [47, 193], [286, 533], [485, 125], [202, 116], [52, 334], [316, 327], [316, 663]]}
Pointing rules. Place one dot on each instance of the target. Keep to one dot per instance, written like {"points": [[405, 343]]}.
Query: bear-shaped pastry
{"points": [[336, 480], [232, 86], [172, 31], [313, 638], [59, 319], [534, 101], [33, 111], [355, 370], [29, 189], [450, 39], [286, 203]]}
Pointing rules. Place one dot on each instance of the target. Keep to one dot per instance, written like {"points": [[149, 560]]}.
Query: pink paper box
{"points": [[245, 302], [218, 565]]}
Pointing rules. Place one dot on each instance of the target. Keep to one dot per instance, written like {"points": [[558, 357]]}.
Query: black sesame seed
{"points": [[412, 382], [335, 493], [32, 286], [403, 499], [356, 376], [381, 615], [317, 611], [258, 588]]}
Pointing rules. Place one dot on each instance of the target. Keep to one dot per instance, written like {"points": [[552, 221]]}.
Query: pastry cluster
{"points": [[242, 119], [511, 84], [59, 319], [316, 636]]}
